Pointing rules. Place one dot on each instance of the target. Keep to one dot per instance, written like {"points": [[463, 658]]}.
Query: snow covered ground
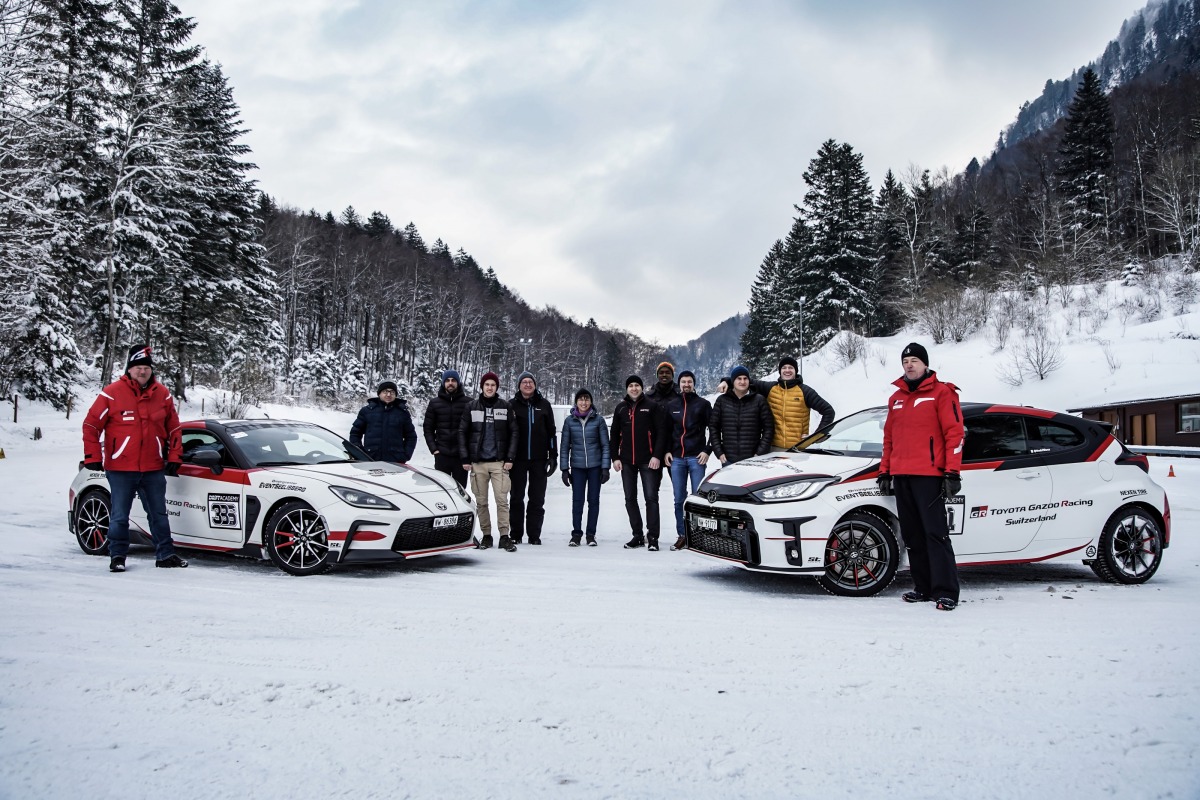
{"points": [[589, 672], [600, 672]]}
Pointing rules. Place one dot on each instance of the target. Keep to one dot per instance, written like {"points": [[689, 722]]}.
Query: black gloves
{"points": [[884, 482], [566, 476], [951, 485], [173, 468], [552, 464], [94, 466], [604, 476]]}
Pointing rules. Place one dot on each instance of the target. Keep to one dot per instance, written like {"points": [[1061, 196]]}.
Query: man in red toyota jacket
{"points": [[136, 416], [922, 456]]}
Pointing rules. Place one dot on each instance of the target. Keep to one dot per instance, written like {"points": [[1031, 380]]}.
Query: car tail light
{"points": [[1136, 459], [1166, 521]]}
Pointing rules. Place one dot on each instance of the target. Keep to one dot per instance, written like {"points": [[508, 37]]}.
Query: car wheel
{"points": [[297, 540], [91, 522], [1130, 548], [861, 556]]}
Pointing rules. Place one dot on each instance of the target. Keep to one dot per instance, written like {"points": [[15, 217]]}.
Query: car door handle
{"points": [[1028, 475]]}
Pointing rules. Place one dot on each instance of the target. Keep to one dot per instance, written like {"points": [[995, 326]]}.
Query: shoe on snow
{"points": [[506, 543], [680, 543], [116, 564], [653, 545], [946, 604], [170, 562], [575, 539], [534, 540], [485, 542], [591, 540], [915, 597], [635, 542]]}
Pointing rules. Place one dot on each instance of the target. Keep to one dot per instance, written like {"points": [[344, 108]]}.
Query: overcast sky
{"points": [[628, 161]]}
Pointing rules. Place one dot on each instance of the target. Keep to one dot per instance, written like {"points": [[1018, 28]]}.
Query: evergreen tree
{"points": [[1085, 172], [759, 339], [887, 270]]}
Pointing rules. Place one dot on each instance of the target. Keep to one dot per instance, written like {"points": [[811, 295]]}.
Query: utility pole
{"points": [[525, 359]]}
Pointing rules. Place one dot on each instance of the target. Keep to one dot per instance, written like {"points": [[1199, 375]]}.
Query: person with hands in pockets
{"points": [[922, 456], [136, 419], [584, 462]]}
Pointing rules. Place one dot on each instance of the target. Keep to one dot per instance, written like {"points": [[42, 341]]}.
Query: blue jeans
{"points": [[585, 481], [152, 488], [681, 470]]}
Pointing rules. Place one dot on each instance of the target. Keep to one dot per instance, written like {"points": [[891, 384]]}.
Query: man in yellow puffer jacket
{"points": [[791, 402]]}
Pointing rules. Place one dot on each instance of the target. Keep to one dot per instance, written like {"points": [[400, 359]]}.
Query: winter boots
{"points": [[116, 564], [485, 542], [170, 562], [635, 542], [534, 539], [652, 544], [575, 539], [680, 543], [591, 540], [506, 543]]}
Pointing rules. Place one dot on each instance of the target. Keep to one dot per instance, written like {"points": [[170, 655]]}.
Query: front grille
{"points": [[734, 537], [419, 533]]}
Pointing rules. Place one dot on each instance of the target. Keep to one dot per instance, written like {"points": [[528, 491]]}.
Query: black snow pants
{"points": [[526, 518], [923, 525]]}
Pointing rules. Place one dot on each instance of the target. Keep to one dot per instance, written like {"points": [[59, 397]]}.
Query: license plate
{"points": [[445, 522], [704, 523]]}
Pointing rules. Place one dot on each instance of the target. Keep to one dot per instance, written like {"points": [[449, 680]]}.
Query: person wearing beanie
{"points": [[922, 458], [131, 432], [536, 459], [384, 428], [791, 402], [741, 425], [687, 457], [665, 388], [638, 441], [443, 416], [584, 462], [487, 441]]}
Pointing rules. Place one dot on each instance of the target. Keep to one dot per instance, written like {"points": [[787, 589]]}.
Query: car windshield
{"points": [[859, 434], [282, 446]]}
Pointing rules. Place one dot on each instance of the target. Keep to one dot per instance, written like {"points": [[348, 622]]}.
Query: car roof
{"points": [[234, 425]]}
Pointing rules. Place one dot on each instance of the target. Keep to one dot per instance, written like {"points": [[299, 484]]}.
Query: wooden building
{"points": [[1166, 421]]}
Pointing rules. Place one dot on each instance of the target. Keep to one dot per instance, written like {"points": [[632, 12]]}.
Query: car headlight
{"points": [[803, 489], [359, 498]]}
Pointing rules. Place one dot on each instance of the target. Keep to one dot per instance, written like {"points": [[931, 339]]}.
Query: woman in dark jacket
{"points": [[384, 428], [584, 462], [741, 425]]}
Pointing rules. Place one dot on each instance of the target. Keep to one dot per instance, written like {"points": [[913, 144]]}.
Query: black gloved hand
{"points": [[566, 476], [173, 468], [604, 476], [951, 485], [884, 482], [94, 466], [552, 464]]}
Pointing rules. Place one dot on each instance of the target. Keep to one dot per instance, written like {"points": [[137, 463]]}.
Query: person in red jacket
{"points": [[922, 456], [141, 446]]}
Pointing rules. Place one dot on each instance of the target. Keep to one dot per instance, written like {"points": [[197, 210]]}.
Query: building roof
{"points": [[1138, 402]]}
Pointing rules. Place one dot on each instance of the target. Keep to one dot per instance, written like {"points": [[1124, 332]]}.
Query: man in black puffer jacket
{"points": [[487, 439], [442, 419], [537, 458], [638, 443], [741, 425], [384, 428]]}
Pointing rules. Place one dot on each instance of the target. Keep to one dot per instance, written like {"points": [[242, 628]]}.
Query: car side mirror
{"points": [[210, 459]]}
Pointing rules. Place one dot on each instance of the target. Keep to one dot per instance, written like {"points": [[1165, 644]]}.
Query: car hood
{"points": [[775, 466], [377, 477]]}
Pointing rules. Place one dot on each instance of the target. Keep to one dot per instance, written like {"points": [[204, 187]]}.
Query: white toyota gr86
{"points": [[292, 492], [1036, 486]]}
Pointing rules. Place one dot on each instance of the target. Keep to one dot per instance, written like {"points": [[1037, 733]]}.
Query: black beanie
{"points": [[634, 379], [387, 385], [139, 356], [789, 360], [583, 393], [914, 349], [687, 373]]}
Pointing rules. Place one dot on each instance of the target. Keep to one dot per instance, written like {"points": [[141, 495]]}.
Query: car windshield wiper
{"points": [[822, 451], [278, 464], [339, 461]]}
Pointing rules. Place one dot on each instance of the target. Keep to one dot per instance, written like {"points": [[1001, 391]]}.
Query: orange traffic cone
{"points": [[1171, 471]]}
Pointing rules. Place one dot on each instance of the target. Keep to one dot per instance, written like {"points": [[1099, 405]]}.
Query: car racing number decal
{"points": [[223, 511]]}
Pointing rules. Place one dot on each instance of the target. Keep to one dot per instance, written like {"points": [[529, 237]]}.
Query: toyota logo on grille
{"points": [[441, 506], [712, 497]]}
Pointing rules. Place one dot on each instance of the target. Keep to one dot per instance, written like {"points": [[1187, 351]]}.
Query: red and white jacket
{"points": [[139, 425], [923, 434]]}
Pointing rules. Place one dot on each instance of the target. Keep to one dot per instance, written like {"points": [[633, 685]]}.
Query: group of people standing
{"points": [[512, 446]]}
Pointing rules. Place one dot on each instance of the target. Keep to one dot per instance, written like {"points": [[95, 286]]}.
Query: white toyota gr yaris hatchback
{"points": [[292, 492], [1036, 486]]}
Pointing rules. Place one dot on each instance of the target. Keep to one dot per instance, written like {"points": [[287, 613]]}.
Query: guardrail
{"points": [[1173, 452]]}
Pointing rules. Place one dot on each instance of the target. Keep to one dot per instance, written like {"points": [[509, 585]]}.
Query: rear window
{"points": [[992, 436], [1050, 437]]}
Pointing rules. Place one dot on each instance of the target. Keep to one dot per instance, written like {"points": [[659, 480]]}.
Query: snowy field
{"points": [[564, 672]]}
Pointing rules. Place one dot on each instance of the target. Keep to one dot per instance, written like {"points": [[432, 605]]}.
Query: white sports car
{"points": [[1036, 485], [292, 492]]}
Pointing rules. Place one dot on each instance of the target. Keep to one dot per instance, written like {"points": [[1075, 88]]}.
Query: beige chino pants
{"points": [[493, 473]]}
